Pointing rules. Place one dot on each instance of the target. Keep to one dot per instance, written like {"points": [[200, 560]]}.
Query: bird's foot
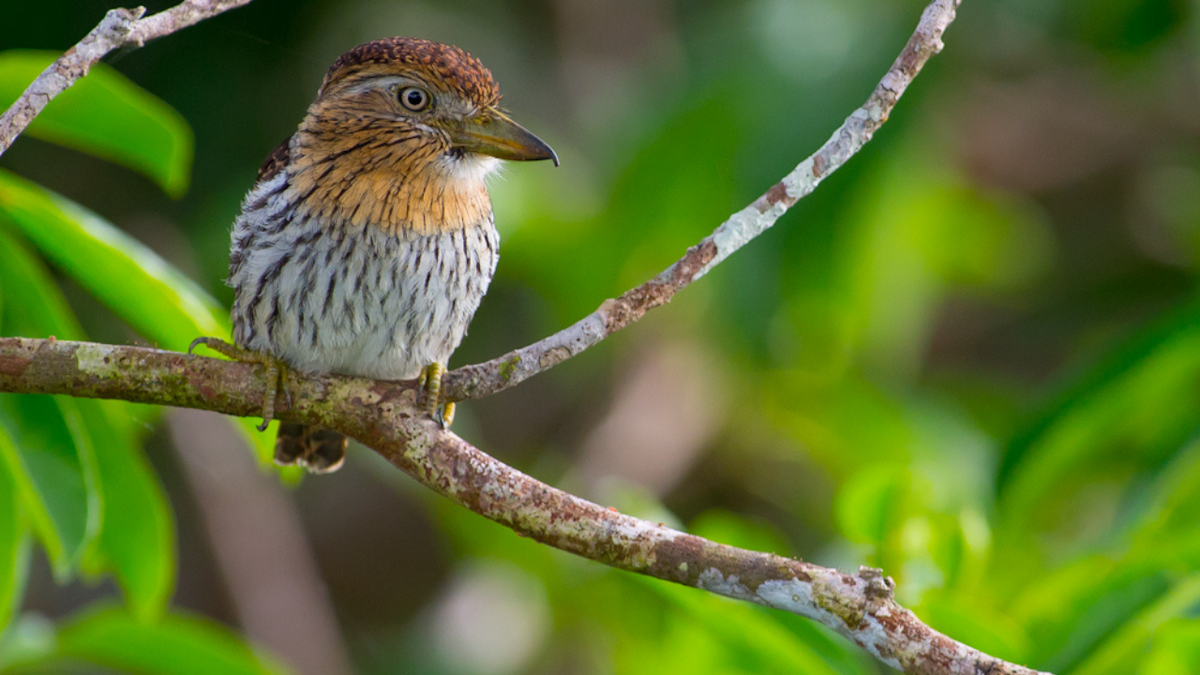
{"points": [[275, 369], [430, 381]]}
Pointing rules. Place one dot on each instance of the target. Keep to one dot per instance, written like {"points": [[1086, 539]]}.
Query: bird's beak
{"points": [[493, 133]]}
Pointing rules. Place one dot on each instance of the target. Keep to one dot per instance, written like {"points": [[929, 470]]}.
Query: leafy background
{"points": [[971, 357]]}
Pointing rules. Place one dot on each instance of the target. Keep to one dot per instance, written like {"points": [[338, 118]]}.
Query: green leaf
{"points": [[108, 116], [54, 475], [13, 551], [137, 539], [1176, 650], [1140, 401], [157, 300], [1173, 511], [38, 445], [1069, 612], [1126, 647], [176, 645], [33, 304]]}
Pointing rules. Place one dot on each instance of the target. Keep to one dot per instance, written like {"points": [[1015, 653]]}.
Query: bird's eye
{"points": [[414, 98]]}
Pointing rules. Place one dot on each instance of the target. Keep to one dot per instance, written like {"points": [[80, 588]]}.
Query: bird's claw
{"points": [[197, 342], [274, 373], [275, 370], [430, 381], [229, 351]]}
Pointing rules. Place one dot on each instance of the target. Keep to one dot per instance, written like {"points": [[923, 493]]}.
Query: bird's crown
{"points": [[446, 64]]}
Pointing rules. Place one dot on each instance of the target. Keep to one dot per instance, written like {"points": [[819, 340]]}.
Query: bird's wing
{"points": [[275, 161]]}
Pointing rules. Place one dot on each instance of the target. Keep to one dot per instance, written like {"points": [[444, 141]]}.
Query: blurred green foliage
{"points": [[110, 637], [971, 358], [108, 116]]}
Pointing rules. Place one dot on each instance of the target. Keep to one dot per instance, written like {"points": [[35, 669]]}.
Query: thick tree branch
{"points": [[503, 372], [382, 415], [120, 28]]}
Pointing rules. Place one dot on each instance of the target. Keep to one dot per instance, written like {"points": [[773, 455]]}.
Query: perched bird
{"points": [[367, 242]]}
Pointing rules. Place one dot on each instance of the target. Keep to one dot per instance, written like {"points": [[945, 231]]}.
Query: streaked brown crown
{"points": [[460, 71]]}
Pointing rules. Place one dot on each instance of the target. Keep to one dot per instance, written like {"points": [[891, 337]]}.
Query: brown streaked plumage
{"points": [[367, 242]]}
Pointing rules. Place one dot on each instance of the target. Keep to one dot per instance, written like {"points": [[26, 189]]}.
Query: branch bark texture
{"points": [[120, 28], [383, 416], [516, 366]]}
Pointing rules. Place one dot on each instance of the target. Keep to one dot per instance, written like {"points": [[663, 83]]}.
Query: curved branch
{"points": [[120, 28], [479, 380], [382, 415]]}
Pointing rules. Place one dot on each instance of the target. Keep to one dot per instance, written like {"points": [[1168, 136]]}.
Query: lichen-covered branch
{"points": [[505, 371], [120, 28], [383, 416]]}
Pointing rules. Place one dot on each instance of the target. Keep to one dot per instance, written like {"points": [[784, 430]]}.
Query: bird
{"points": [[368, 241]]}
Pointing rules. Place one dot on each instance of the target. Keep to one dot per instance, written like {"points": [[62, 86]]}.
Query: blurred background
{"points": [[971, 358]]}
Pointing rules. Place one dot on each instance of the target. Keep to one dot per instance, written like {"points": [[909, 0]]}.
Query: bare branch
{"points": [[382, 415], [479, 380], [120, 28]]}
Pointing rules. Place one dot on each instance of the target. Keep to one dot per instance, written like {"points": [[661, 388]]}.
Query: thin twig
{"points": [[500, 373], [120, 28], [383, 416]]}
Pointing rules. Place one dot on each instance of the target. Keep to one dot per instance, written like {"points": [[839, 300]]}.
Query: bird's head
{"points": [[427, 102], [401, 135]]}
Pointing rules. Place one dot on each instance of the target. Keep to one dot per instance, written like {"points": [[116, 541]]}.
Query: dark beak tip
{"points": [[544, 150]]}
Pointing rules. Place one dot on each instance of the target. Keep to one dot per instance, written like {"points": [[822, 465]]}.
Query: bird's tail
{"points": [[318, 450]]}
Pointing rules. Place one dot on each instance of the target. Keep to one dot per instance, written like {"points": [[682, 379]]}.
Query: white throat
{"points": [[468, 167]]}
